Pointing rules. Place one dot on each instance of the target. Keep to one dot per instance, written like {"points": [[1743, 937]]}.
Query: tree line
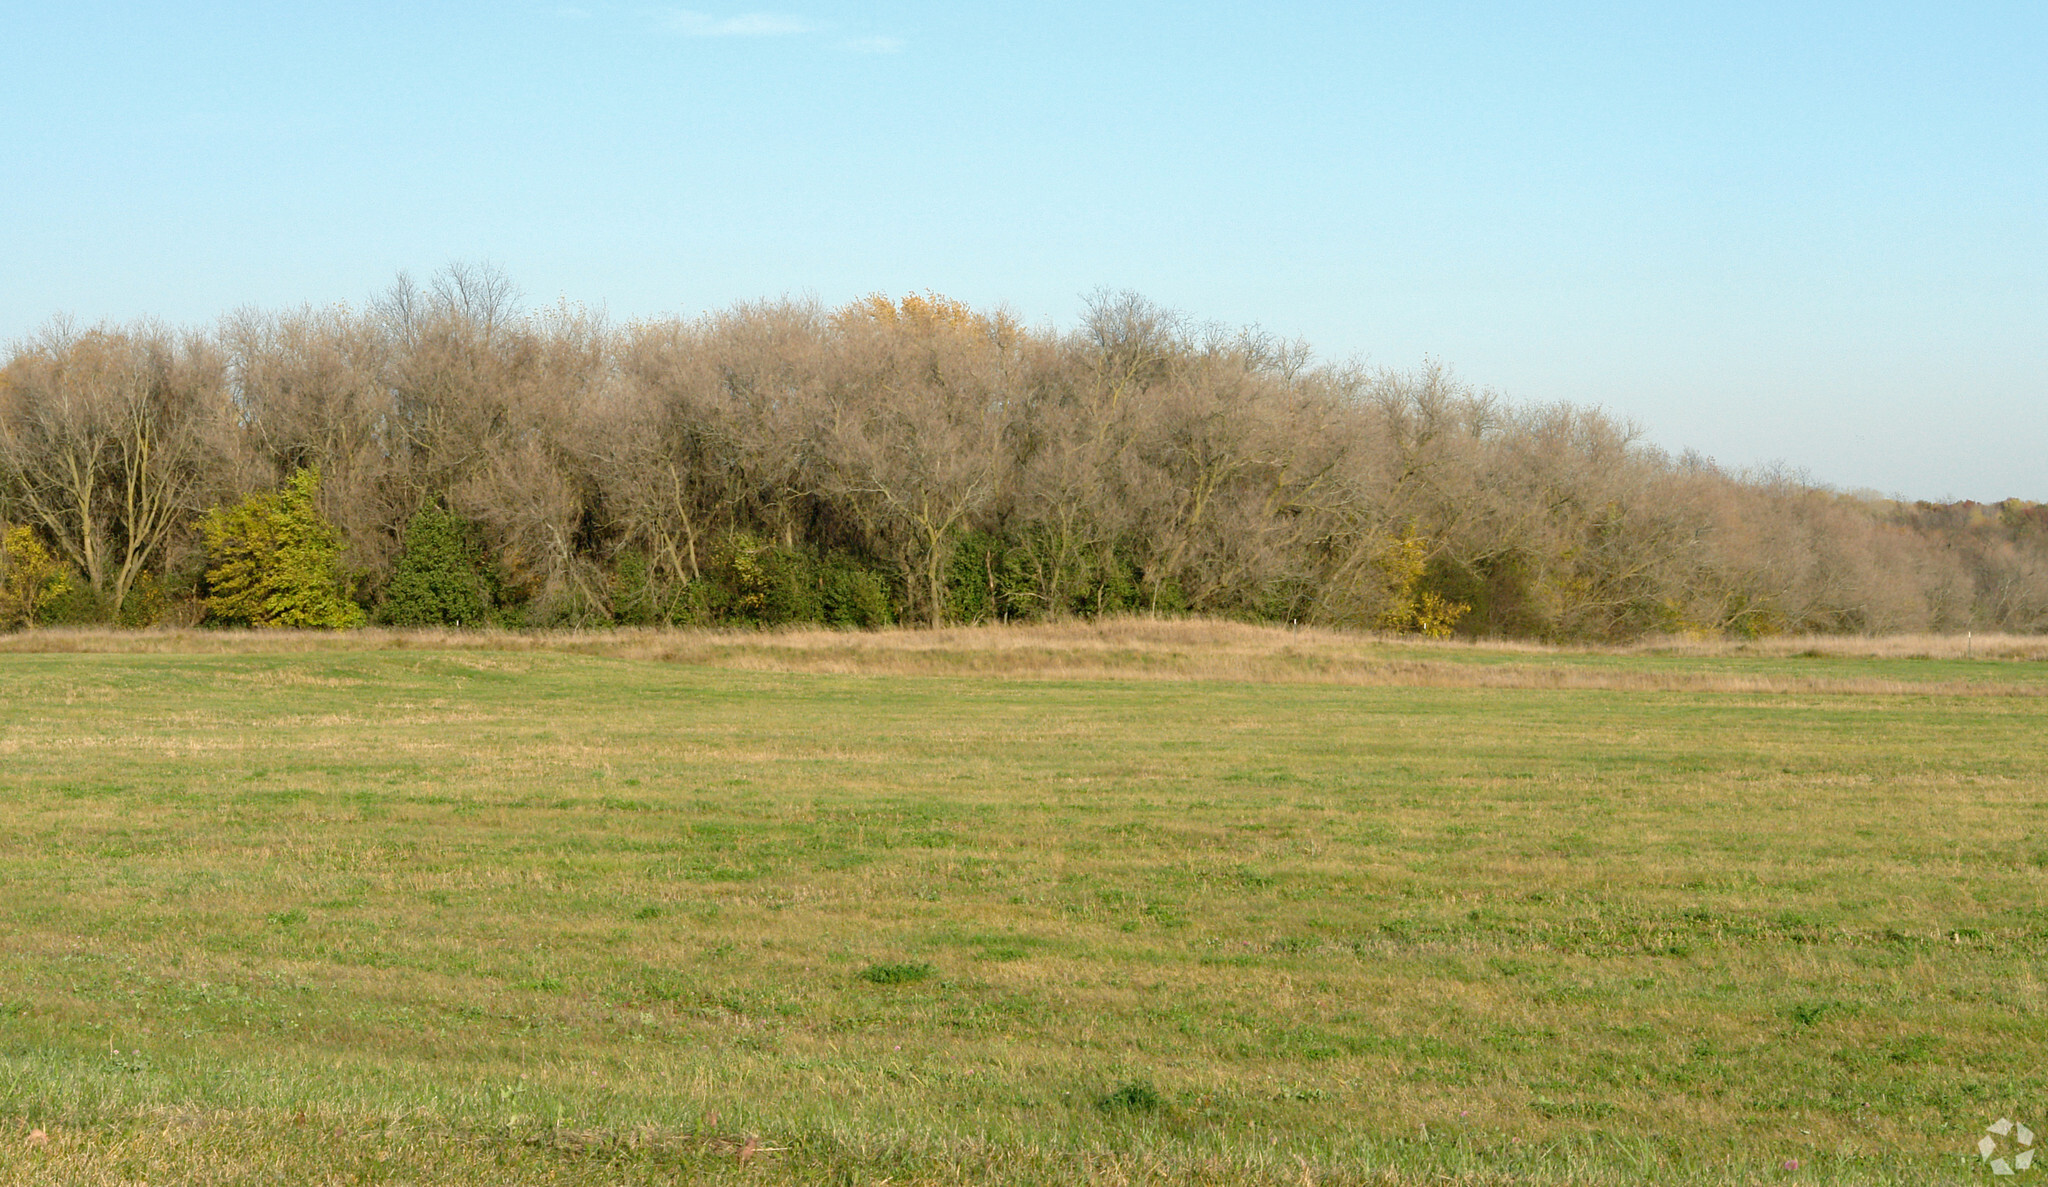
{"points": [[445, 456]]}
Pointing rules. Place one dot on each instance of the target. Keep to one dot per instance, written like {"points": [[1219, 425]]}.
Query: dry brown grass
{"points": [[1193, 650], [1969, 645]]}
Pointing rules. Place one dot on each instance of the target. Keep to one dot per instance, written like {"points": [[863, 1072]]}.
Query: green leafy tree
{"points": [[29, 578], [988, 579], [756, 584], [854, 595], [274, 561], [636, 597], [442, 577]]}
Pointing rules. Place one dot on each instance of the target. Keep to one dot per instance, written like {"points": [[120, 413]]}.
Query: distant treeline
{"points": [[444, 457]]}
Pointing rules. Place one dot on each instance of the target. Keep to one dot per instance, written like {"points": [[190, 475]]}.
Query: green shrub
{"points": [[78, 605], [1285, 599], [751, 583], [145, 604], [641, 597], [690, 605], [581, 599], [992, 578], [792, 587], [1457, 583], [855, 595], [274, 561], [1114, 584], [443, 576], [635, 599], [736, 583], [971, 595], [988, 579], [1505, 592]]}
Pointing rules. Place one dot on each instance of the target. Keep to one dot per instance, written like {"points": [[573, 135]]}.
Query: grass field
{"points": [[1131, 903]]}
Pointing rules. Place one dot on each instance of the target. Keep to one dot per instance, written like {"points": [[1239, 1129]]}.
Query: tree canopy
{"points": [[444, 456]]}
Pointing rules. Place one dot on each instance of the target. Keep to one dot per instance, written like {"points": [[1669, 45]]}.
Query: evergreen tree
{"points": [[439, 580]]}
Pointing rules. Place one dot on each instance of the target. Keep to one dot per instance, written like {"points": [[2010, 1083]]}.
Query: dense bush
{"points": [[274, 561], [992, 578], [30, 578], [749, 583], [988, 579], [442, 577], [853, 594]]}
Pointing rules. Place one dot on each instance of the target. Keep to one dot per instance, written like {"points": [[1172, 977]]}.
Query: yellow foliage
{"points": [[29, 577], [1409, 607], [925, 315], [272, 561], [1437, 616]]}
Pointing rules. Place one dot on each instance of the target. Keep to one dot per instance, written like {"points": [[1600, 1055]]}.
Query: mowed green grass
{"points": [[403, 916]]}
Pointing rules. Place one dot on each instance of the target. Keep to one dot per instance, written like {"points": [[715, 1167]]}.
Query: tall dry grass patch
{"points": [[1984, 645], [1192, 649]]}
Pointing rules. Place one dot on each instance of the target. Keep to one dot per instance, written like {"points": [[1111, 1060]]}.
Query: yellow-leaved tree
{"points": [[274, 561], [29, 578], [926, 314], [1409, 606]]}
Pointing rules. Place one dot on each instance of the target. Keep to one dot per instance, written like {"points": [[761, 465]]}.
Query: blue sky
{"points": [[1807, 233]]}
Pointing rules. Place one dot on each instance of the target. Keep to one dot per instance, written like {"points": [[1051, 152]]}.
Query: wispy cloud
{"points": [[873, 45], [688, 22], [749, 24], [571, 12]]}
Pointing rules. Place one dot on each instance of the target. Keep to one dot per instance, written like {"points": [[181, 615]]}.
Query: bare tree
{"points": [[308, 389], [910, 437], [1139, 460], [109, 439]]}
